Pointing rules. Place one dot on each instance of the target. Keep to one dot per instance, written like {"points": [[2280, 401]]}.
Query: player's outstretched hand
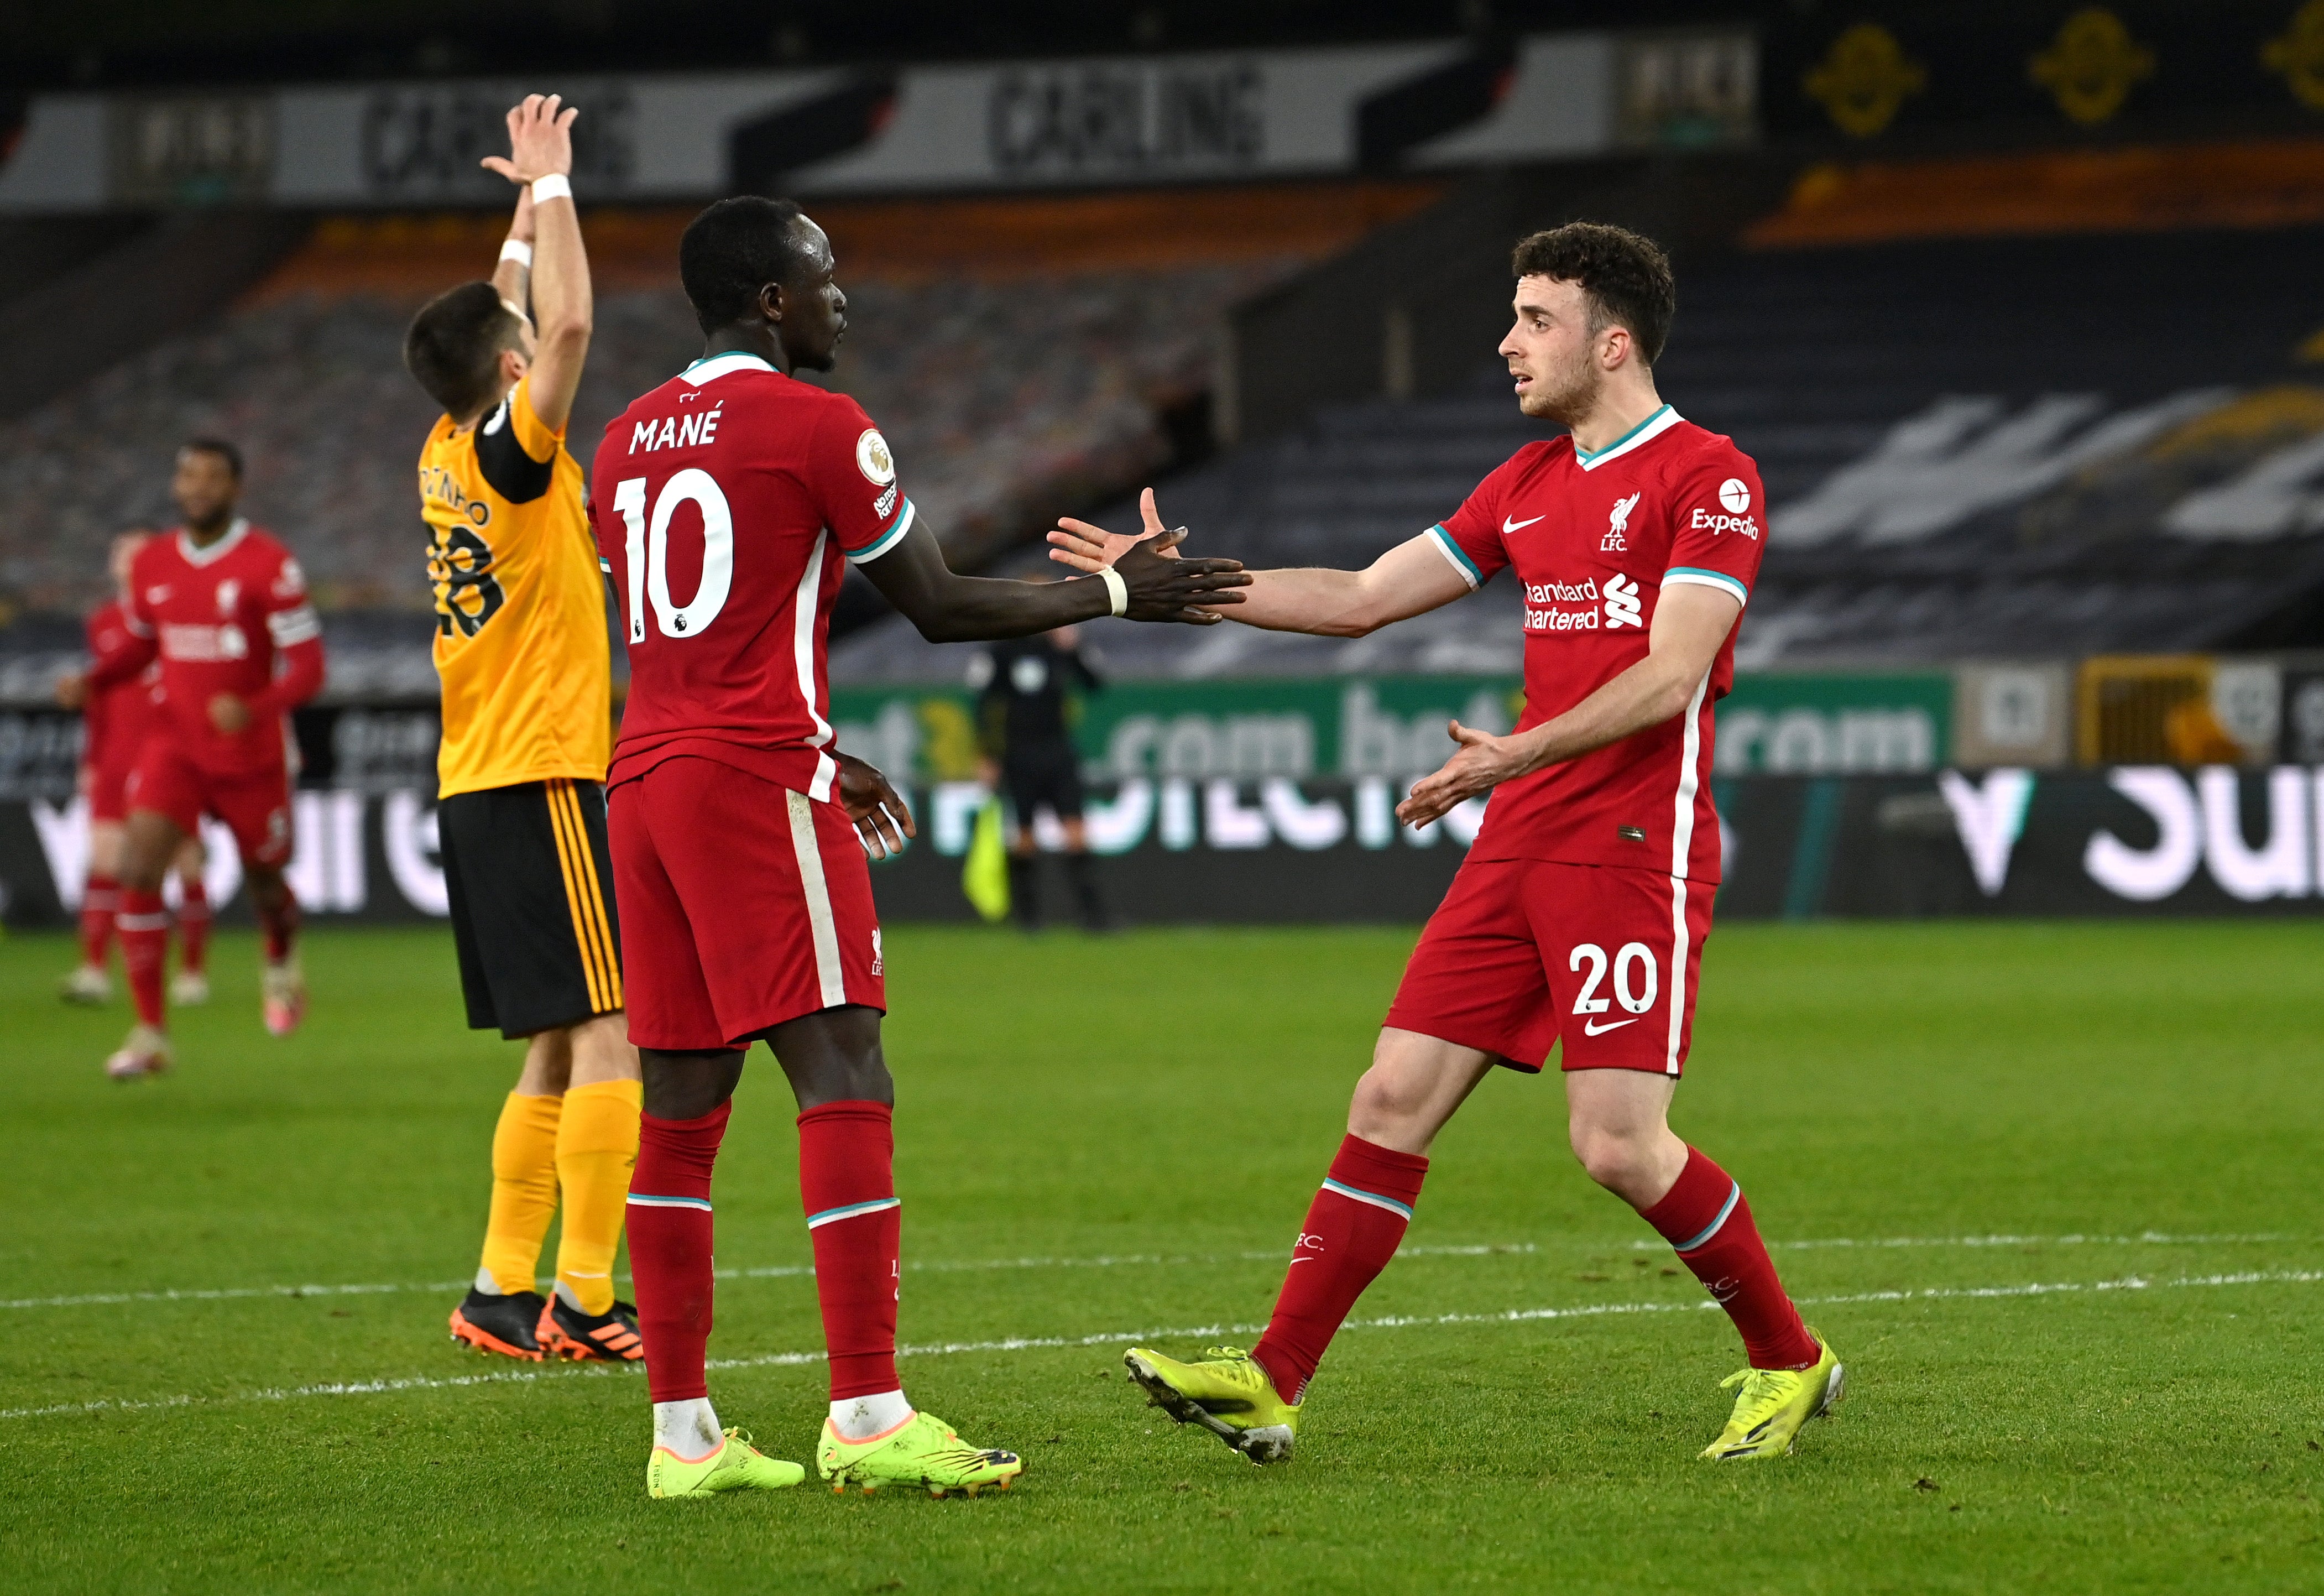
{"points": [[1090, 548], [881, 817], [1483, 763], [1165, 587], [541, 140], [1162, 585]]}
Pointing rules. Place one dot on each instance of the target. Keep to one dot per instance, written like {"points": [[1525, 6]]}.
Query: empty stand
{"points": [[1988, 448]]}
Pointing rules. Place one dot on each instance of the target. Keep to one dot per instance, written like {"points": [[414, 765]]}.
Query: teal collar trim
{"points": [[1664, 416], [711, 366]]}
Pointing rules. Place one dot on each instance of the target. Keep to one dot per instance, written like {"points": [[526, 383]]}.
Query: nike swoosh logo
{"points": [[1509, 526], [1592, 1028]]}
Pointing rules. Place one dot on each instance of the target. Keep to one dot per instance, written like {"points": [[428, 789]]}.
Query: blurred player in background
{"points": [[225, 607], [728, 503], [1579, 915], [1031, 688], [522, 651], [118, 700]]}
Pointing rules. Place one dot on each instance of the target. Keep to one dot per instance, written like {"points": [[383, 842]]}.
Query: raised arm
{"points": [[948, 607], [541, 145], [513, 277], [1690, 625], [1410, 580]]}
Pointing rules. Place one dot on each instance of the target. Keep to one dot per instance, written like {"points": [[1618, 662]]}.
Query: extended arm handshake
{"points": [[1689, 623], [947, 607]]}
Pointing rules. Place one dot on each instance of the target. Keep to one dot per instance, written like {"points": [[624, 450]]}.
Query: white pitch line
{"points": [[1118, 1337], [766, 1272], [2144, 1239], [1158, 1260]]}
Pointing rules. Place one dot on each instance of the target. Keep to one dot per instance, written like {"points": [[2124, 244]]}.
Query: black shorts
{"points": [[531, 881], [1045, 775]]}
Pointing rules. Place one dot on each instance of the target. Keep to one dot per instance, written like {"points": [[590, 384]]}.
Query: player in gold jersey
{"points": [[523, 649]]}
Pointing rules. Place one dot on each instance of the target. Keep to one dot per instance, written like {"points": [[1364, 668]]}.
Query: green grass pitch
{"points": [[2051, 1189]]}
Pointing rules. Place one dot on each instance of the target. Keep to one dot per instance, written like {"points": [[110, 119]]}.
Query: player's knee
{"points": [[1385, 1101], [687, 1085], [1614, 1161], [145, 863]]}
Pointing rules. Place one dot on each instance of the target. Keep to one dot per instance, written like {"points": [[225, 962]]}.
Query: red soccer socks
{"points": [[670, 1248], [100, 901], [193, 924], [847, 1183], [1353, 1228], [144, 923], [1706, 1219]]}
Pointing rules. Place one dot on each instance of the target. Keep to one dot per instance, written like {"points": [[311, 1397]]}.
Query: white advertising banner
{"points": [[1099, 122]]}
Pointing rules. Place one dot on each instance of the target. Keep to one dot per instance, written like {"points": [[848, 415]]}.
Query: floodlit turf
{"points": [[1097, 1138]]}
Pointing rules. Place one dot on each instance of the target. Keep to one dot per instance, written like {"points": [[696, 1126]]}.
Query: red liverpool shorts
{"points": [[743, 905], [1522, 953], [107, 782], [255, 805]]}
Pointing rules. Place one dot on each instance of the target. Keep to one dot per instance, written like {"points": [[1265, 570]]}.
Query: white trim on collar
{"points": [[193, 555], [717, 367], [1644, 433]]}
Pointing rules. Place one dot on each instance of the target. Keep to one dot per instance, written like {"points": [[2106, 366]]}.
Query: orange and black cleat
{"points": [[507, 1323], [565, 1332]]}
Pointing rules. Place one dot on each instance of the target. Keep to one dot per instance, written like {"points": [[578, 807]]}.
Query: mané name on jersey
{"points": [[221, 615], [1596, 538], [726, 503]]}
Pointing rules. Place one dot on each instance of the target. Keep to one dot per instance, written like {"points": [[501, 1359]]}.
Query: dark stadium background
{"points": [[2017, 306]]}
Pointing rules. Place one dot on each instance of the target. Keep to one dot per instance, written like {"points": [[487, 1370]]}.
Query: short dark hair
{"points": [[214, 446], [733, 250], [454, 347], [1625, 276]]}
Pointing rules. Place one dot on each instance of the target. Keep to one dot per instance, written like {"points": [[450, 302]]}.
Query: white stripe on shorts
{"points": [[828, 972], [1682, 846]]}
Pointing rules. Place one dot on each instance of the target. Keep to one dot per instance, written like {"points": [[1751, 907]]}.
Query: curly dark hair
{"points": [[1625, 276]]}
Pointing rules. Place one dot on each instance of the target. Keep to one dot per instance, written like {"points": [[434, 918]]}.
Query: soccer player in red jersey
{"points": [[119, 709], [224, 607], [1580, 914], [728, 503]]}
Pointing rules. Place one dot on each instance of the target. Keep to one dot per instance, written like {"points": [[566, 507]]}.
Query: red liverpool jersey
{"points": [[1595, 539], [222, 618], [726, 503], [123, 688]]}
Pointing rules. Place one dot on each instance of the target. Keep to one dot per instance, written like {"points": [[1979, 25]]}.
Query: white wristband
{"points": [[555, 186], [519, 251], [1117, 590]]}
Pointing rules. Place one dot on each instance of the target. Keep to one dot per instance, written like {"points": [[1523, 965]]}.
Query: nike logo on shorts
{"points": [[1592, 1028], [1509, 526]]}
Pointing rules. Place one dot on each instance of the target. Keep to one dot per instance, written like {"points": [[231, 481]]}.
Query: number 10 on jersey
{"points": [[648, 547]]}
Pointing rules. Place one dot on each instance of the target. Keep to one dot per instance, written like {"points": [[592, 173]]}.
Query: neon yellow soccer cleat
{"points": [[1227, 1393], [1774, 1403], [922, 1451], [736, 1465]]}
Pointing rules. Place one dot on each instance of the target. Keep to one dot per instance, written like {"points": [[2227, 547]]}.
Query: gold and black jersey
{"points": [[521, 638]]}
